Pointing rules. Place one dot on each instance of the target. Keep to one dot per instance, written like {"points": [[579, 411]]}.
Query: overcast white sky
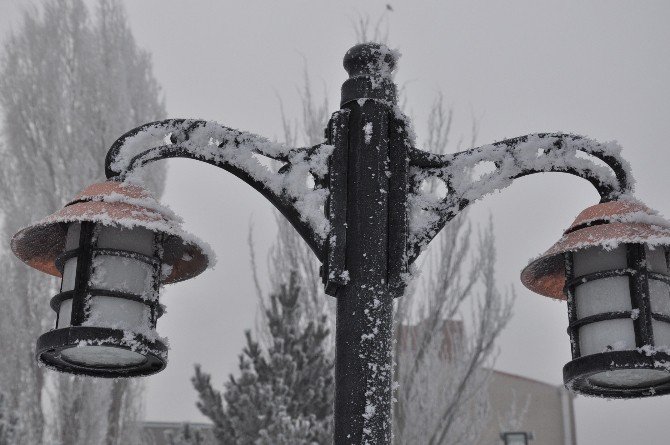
{"points": [[598, 68]]}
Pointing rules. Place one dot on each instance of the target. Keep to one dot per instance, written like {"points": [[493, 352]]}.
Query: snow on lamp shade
{"points": [[612, 267], [113, 246]]}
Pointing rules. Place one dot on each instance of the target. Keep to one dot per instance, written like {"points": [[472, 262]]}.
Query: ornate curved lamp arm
{"points": [[241, 154], [512, 158]]}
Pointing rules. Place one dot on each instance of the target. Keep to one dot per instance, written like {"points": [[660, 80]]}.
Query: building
{"points": [[518, 404], [164, 433], [548, 410]]}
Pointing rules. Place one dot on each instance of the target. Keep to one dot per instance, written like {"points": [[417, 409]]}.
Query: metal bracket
{"points": [[238, 153], [334, 268], [513, 158], [398, 217]]}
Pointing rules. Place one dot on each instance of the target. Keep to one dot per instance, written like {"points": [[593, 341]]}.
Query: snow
{"points": [[369, 411], [648, 216], [154, 217], [146, 202], [386, 70], [367, 132], [379, 375], [382, 68], [535, 153], [209, 141]]}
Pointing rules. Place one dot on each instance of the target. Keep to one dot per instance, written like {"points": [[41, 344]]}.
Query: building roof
{"points": [[159, 433]]}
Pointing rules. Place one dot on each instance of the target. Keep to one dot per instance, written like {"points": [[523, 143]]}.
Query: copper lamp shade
{"points": [[604, 225], [111, 203]]}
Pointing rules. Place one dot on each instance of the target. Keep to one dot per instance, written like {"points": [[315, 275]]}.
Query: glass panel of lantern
{"points": [[619, 300], [110, 280]]}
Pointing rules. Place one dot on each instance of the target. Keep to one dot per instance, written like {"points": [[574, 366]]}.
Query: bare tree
{"points": [[444, 358], [367, 30], [513, 418], [290, 255], [69, 85]]}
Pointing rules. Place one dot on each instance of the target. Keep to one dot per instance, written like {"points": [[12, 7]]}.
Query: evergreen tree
{"points": [[7, 422], [283, 395]]}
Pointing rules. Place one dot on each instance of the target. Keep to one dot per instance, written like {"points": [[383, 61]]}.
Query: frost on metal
{"points": [[599, 163], [367, 132], [245, 154], [379, 372]]}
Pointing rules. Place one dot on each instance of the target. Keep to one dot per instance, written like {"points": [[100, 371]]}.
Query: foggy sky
{"points": [[598, 68]]}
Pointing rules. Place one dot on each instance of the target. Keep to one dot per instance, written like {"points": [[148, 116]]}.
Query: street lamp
{"points": [[612, 267], [364, 213], [113, 245]]}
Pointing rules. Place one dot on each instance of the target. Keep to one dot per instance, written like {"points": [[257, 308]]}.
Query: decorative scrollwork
{"points": [[241, 154], [512, 158]]}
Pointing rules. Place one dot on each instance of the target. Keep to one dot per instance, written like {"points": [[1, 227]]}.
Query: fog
{"points": [[596, 68]]}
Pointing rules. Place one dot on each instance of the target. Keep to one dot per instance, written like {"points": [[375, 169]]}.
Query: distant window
{"points": [[516, 438]]}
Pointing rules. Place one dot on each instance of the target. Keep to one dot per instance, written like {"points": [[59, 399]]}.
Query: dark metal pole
{"points": [[363, 363]]}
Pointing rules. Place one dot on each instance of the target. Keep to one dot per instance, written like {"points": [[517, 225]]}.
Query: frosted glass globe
{"points": [[102, 356]]}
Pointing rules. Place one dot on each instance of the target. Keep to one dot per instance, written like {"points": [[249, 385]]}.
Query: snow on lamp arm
{"points": [[241, 154], [513, 158]]}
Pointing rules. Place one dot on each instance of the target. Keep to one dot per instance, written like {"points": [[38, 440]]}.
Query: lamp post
{"points": [[366, 217]]}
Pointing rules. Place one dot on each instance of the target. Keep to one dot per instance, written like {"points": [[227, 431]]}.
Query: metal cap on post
{"points": [[370, 67]]}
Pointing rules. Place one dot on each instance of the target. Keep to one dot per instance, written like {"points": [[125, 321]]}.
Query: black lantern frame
{"points": [[578, 373], [51, 345]]}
